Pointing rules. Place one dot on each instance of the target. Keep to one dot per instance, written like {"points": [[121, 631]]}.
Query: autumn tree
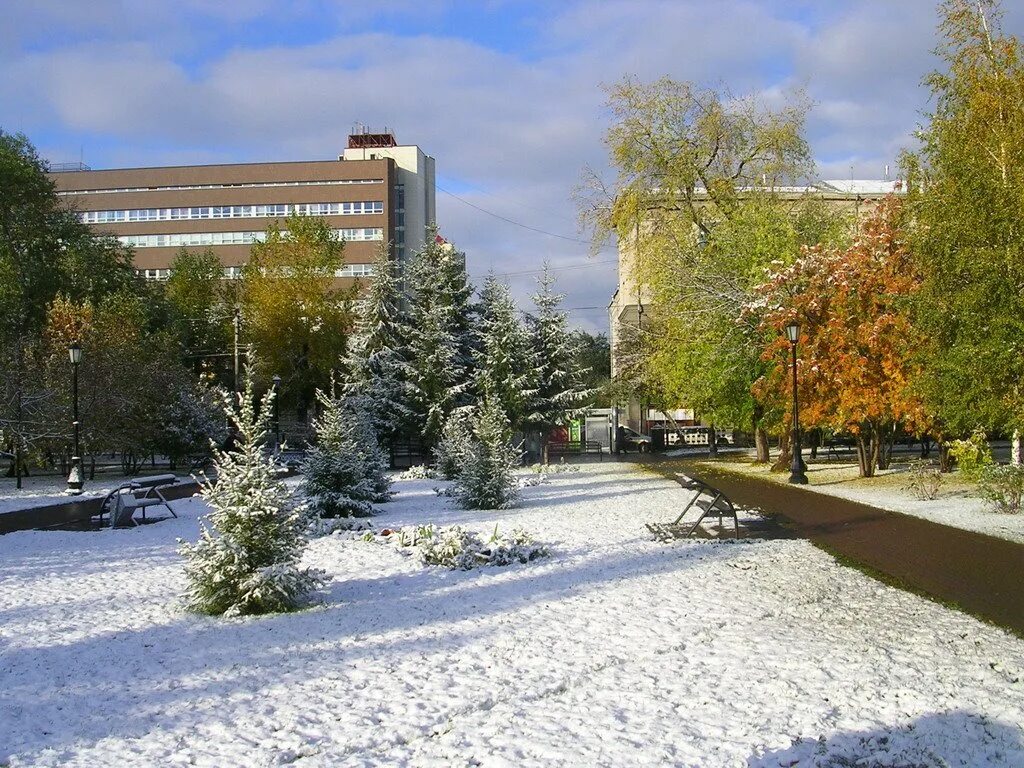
{"points": [[966, 196], [699, 213], [856, 366], [294, 315]]}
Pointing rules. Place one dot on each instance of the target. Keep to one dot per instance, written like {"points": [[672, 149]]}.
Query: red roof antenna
{"points": [[361, 138]]}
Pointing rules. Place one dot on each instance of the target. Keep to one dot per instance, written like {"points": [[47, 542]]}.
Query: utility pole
{"points": [[237, 323]]}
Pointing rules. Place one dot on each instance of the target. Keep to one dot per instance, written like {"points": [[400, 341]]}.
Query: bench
{"points": [[139, 493], [573, 448], [712, 502]]}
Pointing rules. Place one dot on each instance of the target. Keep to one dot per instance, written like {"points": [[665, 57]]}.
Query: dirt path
{"points": [[980, 574]]}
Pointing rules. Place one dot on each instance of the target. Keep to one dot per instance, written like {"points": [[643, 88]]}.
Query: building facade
{"points": [[375, 192], [631, 298]]}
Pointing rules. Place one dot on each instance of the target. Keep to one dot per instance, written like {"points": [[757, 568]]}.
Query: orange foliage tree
{"points": [[855, 365]]}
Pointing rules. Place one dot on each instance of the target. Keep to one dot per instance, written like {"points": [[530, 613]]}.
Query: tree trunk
{"points": [[815, 439], [760, 436], [884, 446], [712, 442], [785, 460], [945, 458], [867, 452], [926, 446], [1017, 448]]}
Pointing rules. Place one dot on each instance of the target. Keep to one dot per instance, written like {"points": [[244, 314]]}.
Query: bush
{"points": [[924, 480], [459, 549], [972, 455], [1003, 487]]}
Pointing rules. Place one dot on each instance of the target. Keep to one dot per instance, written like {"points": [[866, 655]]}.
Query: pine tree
{"points": [[487, 479], [439, 341], [375, 362], [345, 472], [246, 559], [505, 362], [453, 447], [560, 392]]}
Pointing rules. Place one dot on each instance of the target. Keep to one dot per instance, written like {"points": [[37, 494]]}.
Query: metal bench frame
{"points": [[706, 497], [137, 494]]}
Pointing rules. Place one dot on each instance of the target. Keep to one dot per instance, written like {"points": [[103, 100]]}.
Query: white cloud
{"points": [[515, 123]]}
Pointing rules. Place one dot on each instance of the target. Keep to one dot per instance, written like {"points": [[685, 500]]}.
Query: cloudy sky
{"points": [[505, 95]]}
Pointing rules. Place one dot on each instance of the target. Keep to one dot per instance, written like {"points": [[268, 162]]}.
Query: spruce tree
{"points": [[487, 478], [439, 341], [453, 447], [505, 362], [560, 391], [375, 362], [345, 472], [247, 558]]}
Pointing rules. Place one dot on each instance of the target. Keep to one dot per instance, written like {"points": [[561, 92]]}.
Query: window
{"points": [[233, 238]]}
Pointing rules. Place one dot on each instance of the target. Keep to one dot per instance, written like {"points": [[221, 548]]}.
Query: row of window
{"points": [[234, 212], [233, 238], [318, 183], [233, 273]]}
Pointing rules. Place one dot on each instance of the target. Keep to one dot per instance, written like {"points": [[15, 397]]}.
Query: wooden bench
{"points": [[707, 498], [140, 493], [573, 448]]}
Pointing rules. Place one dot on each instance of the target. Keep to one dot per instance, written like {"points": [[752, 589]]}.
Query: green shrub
{"points": [[1002, 486], [972, 455]]}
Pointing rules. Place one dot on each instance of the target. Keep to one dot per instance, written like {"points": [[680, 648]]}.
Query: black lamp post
{"points": [[797, 475], [75, 477], [277, 413]]}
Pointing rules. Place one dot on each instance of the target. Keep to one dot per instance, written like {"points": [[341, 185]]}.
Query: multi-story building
{"points": [[855, 197], [375, 192]]}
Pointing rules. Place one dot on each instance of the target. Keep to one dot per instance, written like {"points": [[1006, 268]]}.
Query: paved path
{"points": [[981, 574]]}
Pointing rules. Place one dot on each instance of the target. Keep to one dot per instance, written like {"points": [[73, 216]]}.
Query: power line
{"points": [[551, 269], [517, 223]]}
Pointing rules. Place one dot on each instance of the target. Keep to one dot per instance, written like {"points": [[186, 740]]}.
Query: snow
{"points": [[44, 490], [616, 650], [887, 490]]}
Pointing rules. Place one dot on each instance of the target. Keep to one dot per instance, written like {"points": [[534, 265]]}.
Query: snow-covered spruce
{"points": [[246, 559], [375, 365], [559, 390], [505, 362], [345, 472], [439, 340], [487, 479], [458, 549], [456, 442]]}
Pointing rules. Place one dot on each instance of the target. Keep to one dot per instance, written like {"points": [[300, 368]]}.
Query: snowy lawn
{"points": [[957, 505], [44, 490], [615, 651]]}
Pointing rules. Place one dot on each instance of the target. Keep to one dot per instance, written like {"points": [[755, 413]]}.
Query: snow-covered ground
{"points": [[616, 651], [955, 505]]}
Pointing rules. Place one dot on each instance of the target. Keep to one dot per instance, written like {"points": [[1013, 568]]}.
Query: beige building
{"points": [[632, 297], [376, 191]]}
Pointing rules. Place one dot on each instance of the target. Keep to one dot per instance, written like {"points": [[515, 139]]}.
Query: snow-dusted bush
{"points": [[487, 479], [459, 549], [456, 441], [924, 480], [345, 472], [417, 472], [246, 559], [1003, 487]]}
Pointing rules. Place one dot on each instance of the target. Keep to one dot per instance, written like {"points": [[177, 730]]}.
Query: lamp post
{"points": [[75, 477], [277, 413], [797, 476]]}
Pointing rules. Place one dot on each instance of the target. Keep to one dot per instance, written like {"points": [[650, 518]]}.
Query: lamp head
{"points": [[75, 353], [793, 331]]}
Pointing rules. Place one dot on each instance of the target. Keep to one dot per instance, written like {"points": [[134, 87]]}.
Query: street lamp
{"points": [[277, 413], [75, 477], [797, 475]]}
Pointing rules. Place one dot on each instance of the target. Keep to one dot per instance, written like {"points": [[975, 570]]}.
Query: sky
{"points": [[507, 96]]}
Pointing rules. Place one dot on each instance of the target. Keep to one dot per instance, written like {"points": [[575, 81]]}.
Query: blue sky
{"points": [[505, 95]]}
